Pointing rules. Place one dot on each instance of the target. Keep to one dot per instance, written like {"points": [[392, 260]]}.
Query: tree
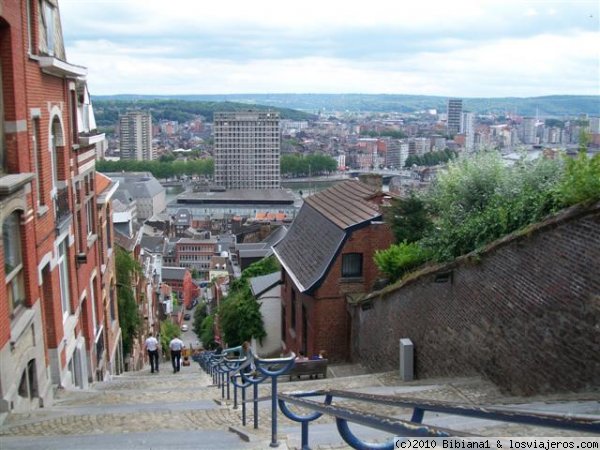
{"points": [[207, 336], [129, 318], [408, 218], [240, 318], [200, 314]]}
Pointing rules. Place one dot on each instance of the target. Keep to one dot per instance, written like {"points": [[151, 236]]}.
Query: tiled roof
{"points": [[317, 234], [346, 203]]}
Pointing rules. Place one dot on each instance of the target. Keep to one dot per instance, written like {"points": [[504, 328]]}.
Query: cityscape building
{"points": [[467, 128], [135, 131], [454, 116], [247, 149]]}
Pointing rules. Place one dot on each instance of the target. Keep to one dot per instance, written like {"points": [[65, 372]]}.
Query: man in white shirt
{"points": [[151, 345], [176, 345]]}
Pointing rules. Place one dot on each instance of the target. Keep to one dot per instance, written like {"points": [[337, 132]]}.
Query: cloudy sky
{"points": [[460, 48]]}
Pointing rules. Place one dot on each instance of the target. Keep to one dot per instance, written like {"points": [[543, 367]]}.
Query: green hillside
{"points": [[547, 106]]}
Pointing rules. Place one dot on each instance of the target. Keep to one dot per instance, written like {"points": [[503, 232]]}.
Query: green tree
{"points": [[129, 317], [408, 218], [200, 314], [207, 336], [240, 318]]}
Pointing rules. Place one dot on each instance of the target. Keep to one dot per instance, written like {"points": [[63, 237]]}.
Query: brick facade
{"points": [[524, 312], [46, 178], [322, 318]]}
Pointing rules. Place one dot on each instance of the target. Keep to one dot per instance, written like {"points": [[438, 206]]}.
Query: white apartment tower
{"points": [[135, 129], [247, 149], [454, 115], [467, 127]]}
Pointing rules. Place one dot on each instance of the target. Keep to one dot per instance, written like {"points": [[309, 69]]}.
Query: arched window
{"points": [[13, 262], [56, 143]]}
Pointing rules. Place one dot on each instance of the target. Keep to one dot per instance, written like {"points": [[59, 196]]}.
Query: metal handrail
{"points": [[414, 427], [219, 366]]}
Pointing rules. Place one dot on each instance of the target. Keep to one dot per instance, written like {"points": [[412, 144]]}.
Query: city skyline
{"points": [[459, 49]]}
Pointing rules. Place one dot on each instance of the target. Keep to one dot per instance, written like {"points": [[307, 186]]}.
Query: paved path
{"points": [[155, 411]]}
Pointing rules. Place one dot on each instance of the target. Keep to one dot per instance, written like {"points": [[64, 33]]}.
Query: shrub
{"points": [[399, 259], [581, 180]]}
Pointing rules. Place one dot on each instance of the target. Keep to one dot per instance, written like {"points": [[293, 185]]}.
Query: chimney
{"points": [[372, 179]]}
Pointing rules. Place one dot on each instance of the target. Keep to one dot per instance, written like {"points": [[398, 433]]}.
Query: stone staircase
{"points": [[139, 410]]}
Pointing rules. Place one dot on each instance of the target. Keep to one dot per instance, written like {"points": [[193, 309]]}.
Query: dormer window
{"points": [[48, 13]]}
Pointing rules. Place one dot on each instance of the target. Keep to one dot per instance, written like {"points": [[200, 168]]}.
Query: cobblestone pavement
{"points": [[166, 403]]}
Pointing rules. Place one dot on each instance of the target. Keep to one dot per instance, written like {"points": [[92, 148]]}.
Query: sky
{"points": [[475, 48]]}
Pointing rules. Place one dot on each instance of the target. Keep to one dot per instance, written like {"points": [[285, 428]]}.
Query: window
{"points": [[48, 22], [38, 161], [352, 265], [112, 300], [93, 304], [13, 262], [89, 212], [293, 319], [63, 272]]}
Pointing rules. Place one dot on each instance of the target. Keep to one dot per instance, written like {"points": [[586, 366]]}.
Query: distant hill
{"points": [[547, 106], [108, 109]]}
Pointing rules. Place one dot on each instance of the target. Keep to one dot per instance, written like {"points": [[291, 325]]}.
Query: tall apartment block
{"points": [[468, 129], [454, 115], [135, 131], [247, 150], [59, 322]]}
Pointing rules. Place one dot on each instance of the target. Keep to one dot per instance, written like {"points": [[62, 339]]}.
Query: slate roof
{"points": [[139, 184], [154, 244], [261, 284], [173, 273], [320, 229], [277, 235]]}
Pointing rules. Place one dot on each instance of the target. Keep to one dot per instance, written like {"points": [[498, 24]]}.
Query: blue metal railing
{"points": [[242, 375], [414, 427], [245, 372]]}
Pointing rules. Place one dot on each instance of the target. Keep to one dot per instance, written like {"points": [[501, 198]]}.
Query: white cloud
{"points": [[478, 48]]}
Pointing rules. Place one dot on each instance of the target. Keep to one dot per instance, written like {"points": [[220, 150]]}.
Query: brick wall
{"points": [[525, 312]]}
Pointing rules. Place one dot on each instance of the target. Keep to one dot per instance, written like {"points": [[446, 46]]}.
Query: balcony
{"points": [[62, 210]]}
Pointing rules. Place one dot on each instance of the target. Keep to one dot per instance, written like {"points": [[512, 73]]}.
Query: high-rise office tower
{"points": [[136, 136], [454, 115], [247, 150]]}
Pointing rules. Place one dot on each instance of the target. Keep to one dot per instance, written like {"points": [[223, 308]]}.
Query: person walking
{"points": [[176, 345], [151, 345]]}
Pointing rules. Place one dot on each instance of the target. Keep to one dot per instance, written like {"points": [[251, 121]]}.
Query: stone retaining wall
{"points": [[524, 312]]}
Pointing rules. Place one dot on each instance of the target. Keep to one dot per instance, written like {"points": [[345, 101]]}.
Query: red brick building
{"points": [[51, 306], [180, 280], [327, 257]]}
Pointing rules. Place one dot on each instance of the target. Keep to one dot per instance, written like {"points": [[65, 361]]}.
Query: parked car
{"points": [[184, 327], [187, 316]]}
